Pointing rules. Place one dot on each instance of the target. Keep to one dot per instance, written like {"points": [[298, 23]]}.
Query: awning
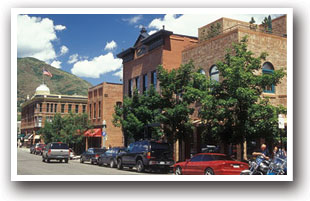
{"points": [[95, 132]]}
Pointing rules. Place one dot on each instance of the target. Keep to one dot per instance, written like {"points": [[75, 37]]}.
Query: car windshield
{"points": [[160, 146], [59, 146], [99, 151], [221, 158]]}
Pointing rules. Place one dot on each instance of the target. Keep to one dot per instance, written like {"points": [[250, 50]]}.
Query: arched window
{"points": [[214, 73], [268, 69]]}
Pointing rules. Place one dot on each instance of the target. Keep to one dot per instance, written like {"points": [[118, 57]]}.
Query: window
{"points": [[141, 51], [55, 108], [90, 111], [69, 108], [40, 107], [268, 69], [197, 158], [47, 107], [130, 88], [62, 108], [144, 82], [119, 104], [137, 83], [214, 73], [52, 107], [84, 108], [207, 158], [94, 110], [76, 108], [99, 115], [154, 79]]}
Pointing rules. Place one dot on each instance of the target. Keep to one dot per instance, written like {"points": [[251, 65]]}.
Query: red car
{"points": [[210, 164]]}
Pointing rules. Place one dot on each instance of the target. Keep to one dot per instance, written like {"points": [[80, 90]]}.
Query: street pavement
{"points": [[31, 164]]}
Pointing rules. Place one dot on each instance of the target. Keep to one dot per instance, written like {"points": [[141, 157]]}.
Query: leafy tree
{"points": [[67, 129], [180, 88], [234, 110], [265, 23], [214, 30], [138, 112]]}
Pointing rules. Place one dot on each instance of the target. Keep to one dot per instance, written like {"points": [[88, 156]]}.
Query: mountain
{"points": [[29, 77]]}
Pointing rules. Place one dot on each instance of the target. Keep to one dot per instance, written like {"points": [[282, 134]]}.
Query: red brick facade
{"points": [[101, 101]]}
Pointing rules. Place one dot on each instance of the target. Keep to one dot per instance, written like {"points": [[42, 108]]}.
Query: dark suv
{"points": [[146, 155]]}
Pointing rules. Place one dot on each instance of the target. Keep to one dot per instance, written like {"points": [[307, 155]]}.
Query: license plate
{"points": [[162, 163], [236, 166]]}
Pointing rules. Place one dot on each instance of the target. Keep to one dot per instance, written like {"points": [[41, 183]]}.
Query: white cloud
{"points": [[59, 27], [97, 66], [119, 74], [56, 64], [110, 45], [73, 58], [188, 24], [63, 50], [34, 38], [133, 20]]}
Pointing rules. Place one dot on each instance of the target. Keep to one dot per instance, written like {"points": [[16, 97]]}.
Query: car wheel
{"points": [[112, 163], [43, 160], [92, 162], [209, 171], [178, 170], [48, 160], [140, 166], [119, 164], [81, 160]]}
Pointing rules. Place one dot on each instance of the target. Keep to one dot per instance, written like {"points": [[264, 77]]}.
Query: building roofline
{"points": [[113, 83]]}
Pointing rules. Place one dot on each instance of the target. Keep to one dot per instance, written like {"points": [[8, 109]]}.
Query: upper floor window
{"points": [[268, 69], [40, 107], [154, 79], [84, 108], [55, 108], [137, 83], [62, 108], [214, 73], [47, 107], [69, 108], [99, 108], [130, 87], [141, 51], [144, 82], [76, 108], [94, 110]]}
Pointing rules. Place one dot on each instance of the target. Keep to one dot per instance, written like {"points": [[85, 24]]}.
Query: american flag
{"points": [[46, 72]]}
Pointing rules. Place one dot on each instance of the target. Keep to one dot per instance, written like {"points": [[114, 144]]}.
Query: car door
{"points": [[193, 167], [126, 156], [132, 155]]}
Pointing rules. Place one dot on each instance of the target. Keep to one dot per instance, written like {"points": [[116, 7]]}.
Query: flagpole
{"points": [[43, 74]]}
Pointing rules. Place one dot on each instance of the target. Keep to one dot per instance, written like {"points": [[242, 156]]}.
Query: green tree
{"points": [[233, 109], [67, 129], [136, 113], [180, 89], [214, 30], [252, 23]]}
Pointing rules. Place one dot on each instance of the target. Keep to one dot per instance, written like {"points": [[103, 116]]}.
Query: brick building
{"points": [[100, 108], [140, 61], [43, 106], [209, 51]]}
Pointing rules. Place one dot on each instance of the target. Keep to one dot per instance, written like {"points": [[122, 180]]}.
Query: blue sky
{"points": [[86, 45]]}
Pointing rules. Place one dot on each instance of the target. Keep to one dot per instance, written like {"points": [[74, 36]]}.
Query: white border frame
{"points": [[16, 11]]}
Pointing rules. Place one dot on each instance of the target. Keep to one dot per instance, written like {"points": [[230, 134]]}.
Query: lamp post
{"points": [[104, 134]]}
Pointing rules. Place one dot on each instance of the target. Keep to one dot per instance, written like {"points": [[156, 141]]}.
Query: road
{"points": [[30, 164]]}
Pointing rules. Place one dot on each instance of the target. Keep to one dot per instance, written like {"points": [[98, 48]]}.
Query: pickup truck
{"points": [[56, 151]]}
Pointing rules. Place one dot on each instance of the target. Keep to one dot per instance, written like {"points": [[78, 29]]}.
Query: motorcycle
{"points": [[260, 166], [277, 166]]}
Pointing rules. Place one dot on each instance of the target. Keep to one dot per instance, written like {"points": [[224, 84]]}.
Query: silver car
{"points": [[56, 151]]}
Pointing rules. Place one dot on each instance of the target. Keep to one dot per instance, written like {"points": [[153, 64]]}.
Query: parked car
{"points": [[32, 149], [109, 157], [210, 164], [56, 151], [38, 148], [92, 155], [146, 155]]}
